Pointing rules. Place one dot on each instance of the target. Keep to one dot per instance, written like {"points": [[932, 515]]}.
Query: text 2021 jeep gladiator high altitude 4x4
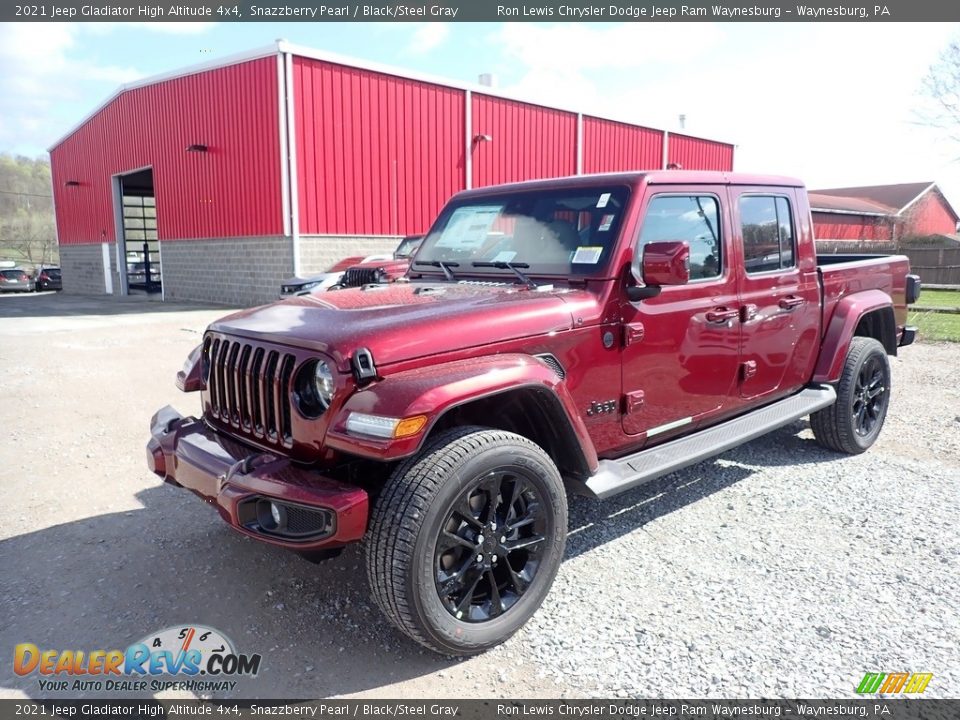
{"points": [[586, 333]]}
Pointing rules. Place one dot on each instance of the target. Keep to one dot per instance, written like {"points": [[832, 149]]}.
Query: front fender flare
{"points": [[841, 328], [434, 390]]}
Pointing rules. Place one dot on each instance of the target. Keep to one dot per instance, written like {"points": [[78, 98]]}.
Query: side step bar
{"points": [[616, 476]]}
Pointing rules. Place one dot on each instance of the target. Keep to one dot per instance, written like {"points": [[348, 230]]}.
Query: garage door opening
{"points": [[140, 249]]}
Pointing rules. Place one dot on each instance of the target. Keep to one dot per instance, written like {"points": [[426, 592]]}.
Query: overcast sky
{"points": [[831, 103]]}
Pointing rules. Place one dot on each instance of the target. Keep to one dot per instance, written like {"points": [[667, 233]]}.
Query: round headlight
{"points": [[323, 381], [315, 387]]}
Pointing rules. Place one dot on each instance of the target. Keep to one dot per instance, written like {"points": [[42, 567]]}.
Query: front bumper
{"points": [[245, 485]]}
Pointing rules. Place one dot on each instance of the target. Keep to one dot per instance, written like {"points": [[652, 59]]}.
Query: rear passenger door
{"points": [[779, 292]]}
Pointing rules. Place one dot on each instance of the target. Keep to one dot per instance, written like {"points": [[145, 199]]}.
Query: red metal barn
{"points": [[217, 181], [881, 213]]}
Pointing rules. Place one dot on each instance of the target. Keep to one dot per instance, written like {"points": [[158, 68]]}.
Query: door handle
{"points": [[721, 315], [790, 302]]}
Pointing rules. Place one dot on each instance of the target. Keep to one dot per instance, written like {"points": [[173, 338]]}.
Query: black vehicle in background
{"points": [[47, 278]]}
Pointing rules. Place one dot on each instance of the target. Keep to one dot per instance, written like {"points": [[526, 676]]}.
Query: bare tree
{"points": [[27, 232], [941, 90]]}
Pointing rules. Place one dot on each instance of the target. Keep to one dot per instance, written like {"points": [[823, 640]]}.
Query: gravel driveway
{"points": [[778, 569]]}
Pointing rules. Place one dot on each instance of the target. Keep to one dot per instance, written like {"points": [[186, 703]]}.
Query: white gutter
{"points": [[468, 140], [579, 144], [851, 212], [282, 132], [292, 163]]}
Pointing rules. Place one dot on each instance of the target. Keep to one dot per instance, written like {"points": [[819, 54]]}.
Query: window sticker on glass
{"points": [[605, 223], [604, 199], [505, 256], [587, 255], [468, 227]]}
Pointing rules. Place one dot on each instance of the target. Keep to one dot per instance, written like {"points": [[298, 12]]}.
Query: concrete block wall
{"points": [[82, 267], [236, 271], [319, 252]]}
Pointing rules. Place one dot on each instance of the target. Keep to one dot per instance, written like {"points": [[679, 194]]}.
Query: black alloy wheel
{"points": [[853, 423], [465, 539], [490, 546], [870, 396]]}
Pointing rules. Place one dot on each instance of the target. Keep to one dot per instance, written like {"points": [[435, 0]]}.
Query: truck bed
{"points": [[845, 274]]}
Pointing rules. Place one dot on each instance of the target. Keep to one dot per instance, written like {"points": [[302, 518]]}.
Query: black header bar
{"points": [[484, 10]]}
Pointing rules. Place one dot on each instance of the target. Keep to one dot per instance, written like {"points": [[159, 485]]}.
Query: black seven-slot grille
{"points": [[358, 276], [248, 387]]}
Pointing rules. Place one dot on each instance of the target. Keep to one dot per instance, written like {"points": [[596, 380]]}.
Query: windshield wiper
{"points": [[444, 265], [515, 267]]}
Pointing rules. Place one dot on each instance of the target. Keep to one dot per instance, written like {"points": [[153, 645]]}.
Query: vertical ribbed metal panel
{"points": [[376, 154], [233, 190], [89, 156], [693, 153], [527, 141], [615, 147]]}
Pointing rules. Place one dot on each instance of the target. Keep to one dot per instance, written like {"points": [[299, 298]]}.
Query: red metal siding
{"points": [[930, 215], [834, 226], [692, 153], [527, 141], [232, 190], [90, 156], [615, 147], [376, 154]]}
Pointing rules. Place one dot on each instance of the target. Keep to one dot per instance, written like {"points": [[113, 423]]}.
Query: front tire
{"points": [[466, 539], [853, 423]]}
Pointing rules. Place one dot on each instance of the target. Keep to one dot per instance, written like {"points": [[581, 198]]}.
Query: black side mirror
{"points": [[636, 293]]}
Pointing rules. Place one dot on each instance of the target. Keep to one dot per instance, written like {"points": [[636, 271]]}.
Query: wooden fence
{"points": [[935, 266]]}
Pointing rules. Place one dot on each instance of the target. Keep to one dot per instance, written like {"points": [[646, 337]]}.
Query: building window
{"points": [[766, 225], [694, 219]]}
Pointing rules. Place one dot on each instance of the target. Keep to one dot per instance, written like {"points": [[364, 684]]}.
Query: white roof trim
{"points": [[282, 46], [922, 193], [181, 72], [850, 212]]}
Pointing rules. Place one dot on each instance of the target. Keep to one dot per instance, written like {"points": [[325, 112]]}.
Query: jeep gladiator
{"points": [[583, 334]]}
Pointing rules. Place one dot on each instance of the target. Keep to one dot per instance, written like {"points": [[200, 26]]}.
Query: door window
{"points": [[694, 219], [766, 225]]}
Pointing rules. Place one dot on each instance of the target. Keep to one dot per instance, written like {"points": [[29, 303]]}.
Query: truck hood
{"points": [[403, 321]]}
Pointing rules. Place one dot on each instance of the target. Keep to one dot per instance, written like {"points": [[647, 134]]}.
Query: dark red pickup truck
{"points": [[584, 334]]}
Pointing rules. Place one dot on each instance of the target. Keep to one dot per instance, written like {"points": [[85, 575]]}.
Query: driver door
{"points": [[682, 348]]}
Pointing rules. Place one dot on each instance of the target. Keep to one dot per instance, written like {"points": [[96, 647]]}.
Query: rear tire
{"points": [[466, 539], [853, 423]]}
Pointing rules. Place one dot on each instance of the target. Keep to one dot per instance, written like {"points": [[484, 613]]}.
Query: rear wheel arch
{"points": [[880, 325], [533, 412]]}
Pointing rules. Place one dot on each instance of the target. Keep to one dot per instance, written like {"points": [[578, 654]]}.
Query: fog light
{"points": [[271, 516]]}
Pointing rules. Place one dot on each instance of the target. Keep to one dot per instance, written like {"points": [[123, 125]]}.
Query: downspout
{"points": [[468, 140], [282, 132], [291, 143], [579, 143], [666, 153]]}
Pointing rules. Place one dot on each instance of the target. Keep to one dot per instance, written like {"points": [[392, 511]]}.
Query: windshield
{"points": [[554, 232]]}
